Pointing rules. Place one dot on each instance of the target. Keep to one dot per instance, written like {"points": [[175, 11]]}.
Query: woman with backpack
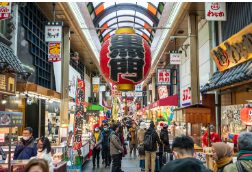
{"points": [[164, 148], [140, 140], [151, 139]]}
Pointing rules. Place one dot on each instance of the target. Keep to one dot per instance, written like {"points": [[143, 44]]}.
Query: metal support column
{"points": [[65, 77], [194, 55]]}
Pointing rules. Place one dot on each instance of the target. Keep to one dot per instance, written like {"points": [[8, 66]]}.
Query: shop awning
{"points": [[95, 107], [239, 73], [168, 101], [37, 89], [193, 114], [8, 61]]}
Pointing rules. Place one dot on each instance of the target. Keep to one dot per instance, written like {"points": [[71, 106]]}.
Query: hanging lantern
{"points": [[246, 115], [125, 59]]}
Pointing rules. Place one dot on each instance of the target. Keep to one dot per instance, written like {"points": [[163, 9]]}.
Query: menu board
{"points": [[11, 119], [79, 114]]}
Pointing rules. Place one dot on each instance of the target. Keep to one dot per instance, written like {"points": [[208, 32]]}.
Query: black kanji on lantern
{"points": [[126, 57]]}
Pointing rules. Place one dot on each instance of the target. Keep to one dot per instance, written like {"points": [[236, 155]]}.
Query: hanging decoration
{"points": [[79, 114], [125, 59]]}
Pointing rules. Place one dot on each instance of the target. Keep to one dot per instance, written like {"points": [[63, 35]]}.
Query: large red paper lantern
{"points": [[246, 115], [125, 59]]}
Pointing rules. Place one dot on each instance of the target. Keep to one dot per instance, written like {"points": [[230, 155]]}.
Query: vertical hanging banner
{"points": [[5, 10], [79, 114], [54, 51], [163, 76], [186, 97], [53, 35]]}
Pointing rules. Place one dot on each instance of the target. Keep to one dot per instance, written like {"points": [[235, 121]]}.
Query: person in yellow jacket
{"points": [[96, 146]]}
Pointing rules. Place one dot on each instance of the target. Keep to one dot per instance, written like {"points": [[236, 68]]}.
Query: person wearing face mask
{"points": [[105, 145], [96, 146], [44, 151], [183, 151], [26, 148]]}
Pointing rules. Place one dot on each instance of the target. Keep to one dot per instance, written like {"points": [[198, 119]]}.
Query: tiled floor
{"points": [[129, 164]]}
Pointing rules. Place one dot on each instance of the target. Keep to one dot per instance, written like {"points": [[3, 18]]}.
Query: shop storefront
{"points": [[233, 81]]}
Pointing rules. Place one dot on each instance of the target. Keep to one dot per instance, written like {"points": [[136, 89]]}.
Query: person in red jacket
{"points": [[214, 137]]}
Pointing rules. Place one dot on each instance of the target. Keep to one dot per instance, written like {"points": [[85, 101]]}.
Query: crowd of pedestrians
{"points": [[154, 152], [151, 148]]}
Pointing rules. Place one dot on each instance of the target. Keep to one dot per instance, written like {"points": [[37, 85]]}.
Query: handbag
{"points": [[141, 149]]}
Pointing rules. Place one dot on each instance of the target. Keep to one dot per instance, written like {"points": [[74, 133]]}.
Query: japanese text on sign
{"points": [[215, 11], [163, 77], [175, 58], [79, 115], [53, 33], [235, 50], [126, 57], [5, 10]]}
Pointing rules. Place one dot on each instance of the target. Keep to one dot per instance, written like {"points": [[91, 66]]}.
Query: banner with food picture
{"points": [[53, 35]]}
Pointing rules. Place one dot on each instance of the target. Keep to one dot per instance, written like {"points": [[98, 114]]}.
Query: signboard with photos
{"points": [[163, 77], [11, 119], [5, 10]]}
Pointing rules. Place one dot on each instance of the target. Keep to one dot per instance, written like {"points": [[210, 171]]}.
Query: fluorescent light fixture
{"points": [[82, 24]]}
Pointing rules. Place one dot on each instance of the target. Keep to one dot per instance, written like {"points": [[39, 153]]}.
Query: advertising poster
{"points": [[54, 51], [11, 119], [5, 10], [162, 92]]}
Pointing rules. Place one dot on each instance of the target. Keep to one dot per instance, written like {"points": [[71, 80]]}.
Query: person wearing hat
{"points": [[165, 146], [116, 149], [140, 140]]}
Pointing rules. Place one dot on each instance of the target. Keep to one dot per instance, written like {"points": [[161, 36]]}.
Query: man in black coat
{"points": [[150, 145], [183, 150]]}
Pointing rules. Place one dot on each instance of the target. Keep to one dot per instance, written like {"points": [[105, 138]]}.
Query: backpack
{"points": [[148, 144]]}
